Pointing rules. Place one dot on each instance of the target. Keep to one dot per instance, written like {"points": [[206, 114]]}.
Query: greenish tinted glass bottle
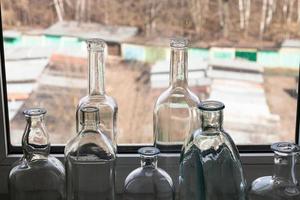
{"points": [[210, 166]]}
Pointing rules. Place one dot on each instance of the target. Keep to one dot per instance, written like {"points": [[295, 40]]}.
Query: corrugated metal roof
{"points": [[291, 43], [11, 34], [24, 70], [92, 30], [237, 64]]}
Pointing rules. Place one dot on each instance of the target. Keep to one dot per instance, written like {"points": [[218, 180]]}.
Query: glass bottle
{"points": [[175, 111], [210, 166], [90, 161], [283, 184], [37, 175], [148, 182], [97, 96]]}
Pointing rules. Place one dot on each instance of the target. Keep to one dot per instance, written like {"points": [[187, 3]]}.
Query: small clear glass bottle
{"points": [[210, 166], [37, 175], [90, 161], [97, 96], [283, 184], [148, 182], [175, 112]]}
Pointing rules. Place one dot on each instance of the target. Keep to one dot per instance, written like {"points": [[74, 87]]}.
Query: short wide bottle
{"points": [[282, 185], [37, 175], [90, 161], [210, 166], [148, 182]]}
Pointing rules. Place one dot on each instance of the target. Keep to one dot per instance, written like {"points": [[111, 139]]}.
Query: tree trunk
{"points": [[221, 13], [290, 11], [270, 11], [285, 9], [58, 10], [242, 14], [195, 8], [298, 11], [226, 18], [263, 19], [247, 13]]}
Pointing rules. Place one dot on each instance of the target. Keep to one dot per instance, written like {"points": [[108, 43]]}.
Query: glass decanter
{"points": [[148, 182], [96, 91], [175, 111], [90, 161], [210, 166], [37, 175], [283, 184]]}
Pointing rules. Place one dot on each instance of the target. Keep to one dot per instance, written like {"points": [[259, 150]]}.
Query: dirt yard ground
{"points": [[129, 84], [281, 97]]}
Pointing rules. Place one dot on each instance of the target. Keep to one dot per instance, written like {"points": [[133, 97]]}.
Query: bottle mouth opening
{"points": [[285, 147], [179, 43], [89, 109], [148, 151], [211, 105], [34, 112], [89, 115], [96, 44]]}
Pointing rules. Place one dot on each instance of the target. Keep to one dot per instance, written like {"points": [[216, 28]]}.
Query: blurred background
{"points": [[245, 53]]}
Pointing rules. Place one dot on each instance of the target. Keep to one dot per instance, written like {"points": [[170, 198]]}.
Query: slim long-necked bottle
{"points": [[97, 96], [283, 184], [210, 166], [175, 112], [90, 161], [37, 175]]}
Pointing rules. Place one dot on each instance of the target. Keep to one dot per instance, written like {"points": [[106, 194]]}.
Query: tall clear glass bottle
{"points": [[37, 175], [97, 96], [175, 111], [210, 166], [90, 161], [282, 185], [148, 182]]}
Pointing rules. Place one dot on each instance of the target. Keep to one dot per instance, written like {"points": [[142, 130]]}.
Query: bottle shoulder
{"points": [[211, 141], [50, 165], [142, 177], [90, 142], [178, 94], [98, 101]]}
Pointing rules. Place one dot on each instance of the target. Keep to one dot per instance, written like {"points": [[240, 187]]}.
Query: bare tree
{"points": [[198, 10], [298, 11], [80, 11], [245, 10], [151, 9], [290, 11], [271, 8], [263, 18], [221, 13], [224, 15], [268, 9], [58, 4], [285, 9]]}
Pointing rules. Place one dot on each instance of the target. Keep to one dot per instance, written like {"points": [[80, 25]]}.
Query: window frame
{"points": [[6, 148], [257, 160]]}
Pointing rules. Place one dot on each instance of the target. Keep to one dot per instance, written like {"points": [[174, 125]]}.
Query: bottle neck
{"points": [[284, 168], [90, 126], [35, 141], [149, 161], [211, 120], [178, 71], [96, 72]]}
